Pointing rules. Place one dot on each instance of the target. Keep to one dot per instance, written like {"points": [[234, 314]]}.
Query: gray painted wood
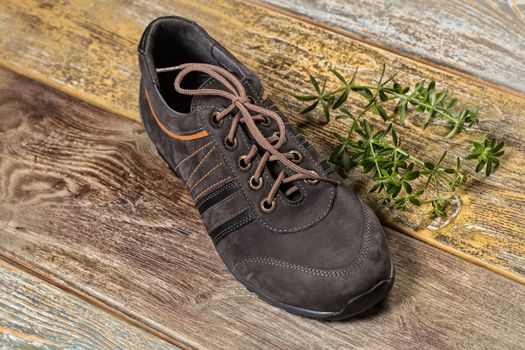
{"points": [[85, 198], [37, 315], [485, 38]]}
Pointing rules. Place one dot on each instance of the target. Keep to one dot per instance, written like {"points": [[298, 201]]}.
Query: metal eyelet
{"points": [[230, 145], [216, 124], [251, 100], [311, 181], [298, 200], [267, 121], [267, 207], [256, 185], [297, 156], [241, 163]]}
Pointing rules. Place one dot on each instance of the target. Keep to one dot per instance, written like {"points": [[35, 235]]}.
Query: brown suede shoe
{"points": [[280, 217]]}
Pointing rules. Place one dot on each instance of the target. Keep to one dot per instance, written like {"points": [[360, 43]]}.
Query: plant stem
{"points": [[392, 92]]}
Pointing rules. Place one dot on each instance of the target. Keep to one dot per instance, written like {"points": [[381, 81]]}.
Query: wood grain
{"points": [[484, 38], [37, 315], [86, 200], [88, 50]]}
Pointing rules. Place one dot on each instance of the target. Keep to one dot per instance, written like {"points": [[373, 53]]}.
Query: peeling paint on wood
{"points": [[37, 315], [86, 201], [484, 38], [88, 49]]}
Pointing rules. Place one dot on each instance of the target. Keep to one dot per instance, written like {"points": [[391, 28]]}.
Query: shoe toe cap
{"points": [[341, 292]]}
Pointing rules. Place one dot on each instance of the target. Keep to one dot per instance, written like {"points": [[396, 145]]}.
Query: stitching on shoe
{"points": [[316, 271], [200, 117], [241, 223], [205, 176], [194, 100], [215, 194], [225, 220], [150, 112], [228, 199], [191, 155], [197, 197], [199, 164]]}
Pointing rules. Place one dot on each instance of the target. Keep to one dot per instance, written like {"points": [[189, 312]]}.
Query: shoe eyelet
{"points": [[251, 99], [241, 163], [231, 145], [255, 185], [267, 207], [267, 121], [311, 181], [216, 124], [298, 200], [297, 156]]}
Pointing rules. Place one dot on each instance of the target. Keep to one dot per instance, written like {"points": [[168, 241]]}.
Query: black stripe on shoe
{"points": [[217, 196], [231, 225]]}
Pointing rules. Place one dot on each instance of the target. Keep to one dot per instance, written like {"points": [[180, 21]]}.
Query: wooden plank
{"points": [[37, 315], [86, 201], [484, 38], [88, 49]]}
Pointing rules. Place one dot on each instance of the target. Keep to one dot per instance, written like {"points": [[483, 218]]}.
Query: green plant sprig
{"points": [[425, 98], [399, 177]]}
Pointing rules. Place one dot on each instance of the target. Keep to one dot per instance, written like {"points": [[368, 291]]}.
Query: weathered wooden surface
{"points": [[85, 199], [88, 49], [37, 315], [485, 38]]}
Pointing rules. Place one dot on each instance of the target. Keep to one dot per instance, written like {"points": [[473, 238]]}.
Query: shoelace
{"points": [[242, 105]]}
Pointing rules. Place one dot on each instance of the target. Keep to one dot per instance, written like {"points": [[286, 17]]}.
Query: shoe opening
{"points": [[174, 42]]}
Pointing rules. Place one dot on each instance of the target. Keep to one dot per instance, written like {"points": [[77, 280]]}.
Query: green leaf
{"points": [[487, 153], [326, 110], [347, 162], [310, 108], [381, 112], [429, 165], [452, 103], [441, 158], [480, 166], [342, 99], [306, 98], [367, 128], [315, 84], [338, 75], [337, 152], [401, 110], [395, 139], [365, 92]]}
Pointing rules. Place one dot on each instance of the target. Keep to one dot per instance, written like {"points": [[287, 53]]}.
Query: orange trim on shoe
{"points": [[198, 135]]}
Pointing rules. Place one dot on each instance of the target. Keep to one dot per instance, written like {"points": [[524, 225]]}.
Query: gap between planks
{"points": [[60, 284], [394, 51]]}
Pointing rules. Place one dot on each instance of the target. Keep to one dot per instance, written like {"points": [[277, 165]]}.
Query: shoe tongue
{"points": [[209, 100], [230, 63], [224, 59]]}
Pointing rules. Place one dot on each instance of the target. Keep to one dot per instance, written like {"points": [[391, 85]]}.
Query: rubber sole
{"points": [[353, 307]]}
